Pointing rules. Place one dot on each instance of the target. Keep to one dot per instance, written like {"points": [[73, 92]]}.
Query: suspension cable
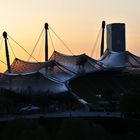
{"points": [[95, 44], [1, 36], [61, 40], [12, 49], [51, 40], [40, 50], [1, 45], [3, 62], [97, 49], [41, 55], [36, 44], [0, 50], [22, 48]]}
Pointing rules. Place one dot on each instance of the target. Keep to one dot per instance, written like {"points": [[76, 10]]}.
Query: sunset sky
{"points": [[77, 22]]}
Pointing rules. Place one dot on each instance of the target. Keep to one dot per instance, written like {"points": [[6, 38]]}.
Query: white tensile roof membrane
{"points": [[50, 69], [72, 62], [119, 60], [53, 74], [35, 82], [47, 76]]}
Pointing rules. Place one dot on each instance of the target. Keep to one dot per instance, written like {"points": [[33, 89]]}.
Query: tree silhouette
{"points": [[130, 102]]}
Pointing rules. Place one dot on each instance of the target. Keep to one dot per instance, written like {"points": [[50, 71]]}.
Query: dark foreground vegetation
{"points": [[110, 91], [105, 93], [70, 129], [11, 102]]}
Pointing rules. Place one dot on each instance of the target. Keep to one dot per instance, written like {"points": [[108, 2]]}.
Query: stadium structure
{"points": [[84, 77]]}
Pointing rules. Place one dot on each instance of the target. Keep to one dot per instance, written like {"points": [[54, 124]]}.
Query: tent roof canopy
{"points": [[53, 74], [124, 59]]}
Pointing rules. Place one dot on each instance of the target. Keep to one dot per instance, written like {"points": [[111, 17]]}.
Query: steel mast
{"points": [[102, 41], [7, 51], [46, 41]]}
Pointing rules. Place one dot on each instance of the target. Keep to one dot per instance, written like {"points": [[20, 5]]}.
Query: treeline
{"points": [[70, 129], [130, 103], [11, 101]]}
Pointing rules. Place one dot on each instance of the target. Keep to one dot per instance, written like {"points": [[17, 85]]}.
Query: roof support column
{"points": [[102, 41], [46, 41], [7, 51]]}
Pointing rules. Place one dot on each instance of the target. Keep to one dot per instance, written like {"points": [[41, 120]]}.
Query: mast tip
{"points": [[5, 34], [103, 24], [46, 26]]}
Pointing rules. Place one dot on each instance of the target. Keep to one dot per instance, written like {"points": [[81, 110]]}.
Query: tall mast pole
{"points": [[7, 51], [102, 41], [46, 41]]}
